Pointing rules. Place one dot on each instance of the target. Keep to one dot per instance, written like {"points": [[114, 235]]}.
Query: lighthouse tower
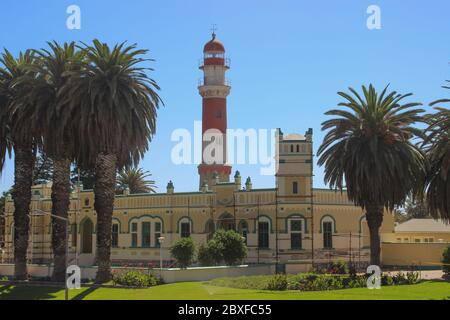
{"points": [[214, 91]]}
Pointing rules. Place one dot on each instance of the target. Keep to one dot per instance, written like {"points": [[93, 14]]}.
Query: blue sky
{"points": [[289, 58]]}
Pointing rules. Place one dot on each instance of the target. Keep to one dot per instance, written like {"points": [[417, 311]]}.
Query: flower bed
{"points": [[312, 281]]}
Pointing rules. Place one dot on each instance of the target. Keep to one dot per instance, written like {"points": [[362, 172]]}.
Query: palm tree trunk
{"points": [[60, 207], [374, 217], [104, 189], [23, 179]]}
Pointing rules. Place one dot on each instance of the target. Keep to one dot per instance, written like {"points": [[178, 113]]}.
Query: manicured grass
{"points": [[204, 291]]}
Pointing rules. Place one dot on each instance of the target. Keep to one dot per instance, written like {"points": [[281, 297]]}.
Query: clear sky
{"points": [[289, 58]]}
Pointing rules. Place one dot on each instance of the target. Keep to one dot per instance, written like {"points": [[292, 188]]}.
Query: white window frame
{"points": [[333, 227], [302, 230]]}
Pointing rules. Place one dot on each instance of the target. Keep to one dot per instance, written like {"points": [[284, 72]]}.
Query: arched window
{"points": [[185, 227], [134, 234], [296, 230], [263, 232], [327, 227], [115, 235], [146, 235], [146, 231], [292, 148], [298, 148]]}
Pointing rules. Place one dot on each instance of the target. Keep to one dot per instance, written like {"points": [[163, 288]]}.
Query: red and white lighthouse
{"points": [[214, 90]]}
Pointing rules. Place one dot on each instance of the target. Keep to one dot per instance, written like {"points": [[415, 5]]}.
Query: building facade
{"points": [[293, 221]]}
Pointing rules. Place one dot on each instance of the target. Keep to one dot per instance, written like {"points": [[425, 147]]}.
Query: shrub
{"points": [[412, 277], [203, 255], [232, 246], [339, 267], [446, 262], [183, 251], [134, 279], [359, 281], [387, 280], [399, 278], [210, 254], [277, 282]]}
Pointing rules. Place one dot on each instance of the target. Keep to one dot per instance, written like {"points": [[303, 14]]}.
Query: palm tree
{"points": [[135, 180], [24, 144], [50, 111], [369, 150], [437, 183], [5, 138], [115, 104]]}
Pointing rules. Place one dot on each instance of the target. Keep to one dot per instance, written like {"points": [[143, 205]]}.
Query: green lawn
{"points": [[204, 291]]}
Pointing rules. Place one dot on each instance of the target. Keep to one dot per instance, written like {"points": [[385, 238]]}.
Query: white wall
{"points": [[169, 275]]}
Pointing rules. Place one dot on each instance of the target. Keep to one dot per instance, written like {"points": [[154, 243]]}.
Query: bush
{"points": [[412, 277], [339, 267], [232, 246], [399, 278], [134, 279], [387, 280], [446, 262], [225, 246], [277, 283], [210, 254], [183, 250], [359, 281], [204, 257]]}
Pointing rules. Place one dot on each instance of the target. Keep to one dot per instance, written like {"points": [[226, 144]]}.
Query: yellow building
{"points": [[418, 242], [290, 222], [420, 231]]}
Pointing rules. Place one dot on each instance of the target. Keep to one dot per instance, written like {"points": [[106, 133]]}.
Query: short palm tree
{"points": [[24, 144], [369, 151], [437, 183], [115, 104], [49, 110], [136, 180]]}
